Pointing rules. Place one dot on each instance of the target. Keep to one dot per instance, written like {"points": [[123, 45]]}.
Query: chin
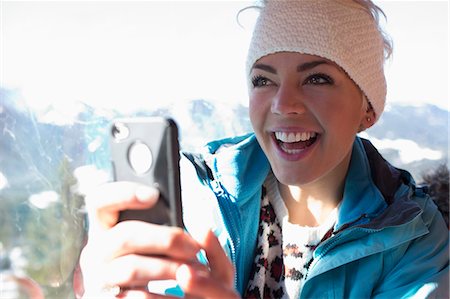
{"points": [[291, 178]]}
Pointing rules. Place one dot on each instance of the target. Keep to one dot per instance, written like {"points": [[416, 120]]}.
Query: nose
{"points": [[288, 100]]}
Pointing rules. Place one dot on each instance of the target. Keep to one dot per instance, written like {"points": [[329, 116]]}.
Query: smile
{"points": [[293, 143]]}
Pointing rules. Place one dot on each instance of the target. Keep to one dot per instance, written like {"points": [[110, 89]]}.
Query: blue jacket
{"points": [[390, 240]]}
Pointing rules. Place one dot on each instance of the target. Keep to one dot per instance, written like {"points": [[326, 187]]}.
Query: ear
{"points": [[368, 119]]}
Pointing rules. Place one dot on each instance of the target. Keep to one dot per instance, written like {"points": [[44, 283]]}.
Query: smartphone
{"points": [[146, 150]]}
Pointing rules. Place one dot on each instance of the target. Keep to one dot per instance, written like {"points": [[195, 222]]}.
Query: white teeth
{"points": [[294, 137]]}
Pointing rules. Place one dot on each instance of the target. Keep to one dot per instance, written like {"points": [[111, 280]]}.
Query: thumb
{"points": [[105, 202]]}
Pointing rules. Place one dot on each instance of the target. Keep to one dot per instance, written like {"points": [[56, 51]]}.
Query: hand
{"points": [[129, 254], [218, 282]]}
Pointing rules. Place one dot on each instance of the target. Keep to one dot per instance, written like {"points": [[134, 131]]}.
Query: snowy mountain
{"points": [[34, 144], [413, 137]]}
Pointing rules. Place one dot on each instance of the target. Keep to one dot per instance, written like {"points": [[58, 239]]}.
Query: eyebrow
{"points": [[300, 68], [265, 67]]}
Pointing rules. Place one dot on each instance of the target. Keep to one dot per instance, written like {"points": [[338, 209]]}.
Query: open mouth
{"points": [[295, 142]]}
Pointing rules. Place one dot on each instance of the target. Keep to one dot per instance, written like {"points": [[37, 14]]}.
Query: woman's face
{"points": [[305, 112]]}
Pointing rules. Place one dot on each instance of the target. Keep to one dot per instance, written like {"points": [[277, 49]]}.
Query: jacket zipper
{"points": [[228, 216], [330, 243]]}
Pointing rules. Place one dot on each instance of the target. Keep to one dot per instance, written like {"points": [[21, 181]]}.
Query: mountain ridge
{"points": [[32, 148]]}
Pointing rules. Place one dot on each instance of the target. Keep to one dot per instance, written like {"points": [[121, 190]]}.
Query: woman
{"points": [[335, 219]]}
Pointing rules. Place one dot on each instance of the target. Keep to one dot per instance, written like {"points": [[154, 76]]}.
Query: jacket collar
{"points": [[376, 194], [239, 164], [376, 199], [361, 196], [372, 184]]}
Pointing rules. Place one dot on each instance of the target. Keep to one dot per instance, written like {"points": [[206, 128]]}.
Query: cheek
{"points": [[345, 112], [255, 112]]}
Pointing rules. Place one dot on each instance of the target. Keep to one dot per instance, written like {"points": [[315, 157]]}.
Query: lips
{"points": [[294, 143]]}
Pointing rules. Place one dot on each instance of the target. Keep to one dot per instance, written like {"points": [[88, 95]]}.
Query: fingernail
{"points": [[183, 275], [145, 194], [203, 234]]}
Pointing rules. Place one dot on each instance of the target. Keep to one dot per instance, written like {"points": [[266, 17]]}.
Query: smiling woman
{"points": [[331, 208], [295, 84], [69, 67]]}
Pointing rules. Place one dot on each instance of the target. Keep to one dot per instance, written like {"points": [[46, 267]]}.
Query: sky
{"points": [[128, 55]]}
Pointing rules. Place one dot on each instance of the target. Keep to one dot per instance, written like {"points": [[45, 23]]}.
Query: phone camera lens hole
{"points": [[120, 131], [140, 157]]}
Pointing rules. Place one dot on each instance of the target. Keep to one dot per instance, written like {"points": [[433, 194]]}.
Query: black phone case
{"points": [[160, 136]]}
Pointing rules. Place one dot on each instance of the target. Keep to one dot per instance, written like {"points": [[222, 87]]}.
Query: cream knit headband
{"points": [[339, 30]]}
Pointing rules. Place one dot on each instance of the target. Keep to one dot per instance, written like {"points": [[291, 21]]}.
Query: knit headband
{"points": [[339, 30]]}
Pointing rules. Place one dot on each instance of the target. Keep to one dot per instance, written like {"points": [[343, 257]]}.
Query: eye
{"points": [[319, 79], [260, 81]]}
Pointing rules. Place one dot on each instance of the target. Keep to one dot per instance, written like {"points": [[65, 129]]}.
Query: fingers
{"points": [[139, 238], [142, 294], [133, 253], [201, 284], [137, 270], [147, 252], [136, 237], [219, 263], [128, 293], [105, 202], [218, 281]]}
